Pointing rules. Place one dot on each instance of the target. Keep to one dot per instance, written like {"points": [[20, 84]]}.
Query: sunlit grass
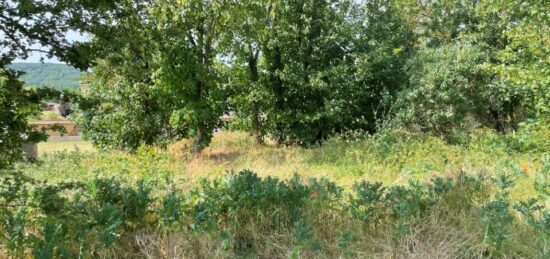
{"points": [[64, 145], [393, 159]]}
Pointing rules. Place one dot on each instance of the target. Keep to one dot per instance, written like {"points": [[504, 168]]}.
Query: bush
{"points": [[243, 214]]}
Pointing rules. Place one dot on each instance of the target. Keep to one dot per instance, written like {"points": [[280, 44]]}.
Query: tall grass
{"points": [[394, 194], [390, 157]]}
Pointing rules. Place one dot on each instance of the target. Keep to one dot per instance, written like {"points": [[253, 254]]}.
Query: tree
{"points": [[333, 67], [246, 88], [303, 42], [522, 63], [167, 72], [120, 106], [375, 67], [40, 26], [16, 106], [446, 88], [186, 72], [506, 69]]}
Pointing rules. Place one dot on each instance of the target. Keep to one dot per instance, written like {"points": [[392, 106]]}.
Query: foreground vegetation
{"points": [[393, 194], [242, 214]]}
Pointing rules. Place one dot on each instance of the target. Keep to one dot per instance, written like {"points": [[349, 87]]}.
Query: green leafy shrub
{"points": [[246, 214], [237, 198]]}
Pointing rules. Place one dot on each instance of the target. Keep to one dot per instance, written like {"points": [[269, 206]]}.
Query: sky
{"points": [[35, 56]]}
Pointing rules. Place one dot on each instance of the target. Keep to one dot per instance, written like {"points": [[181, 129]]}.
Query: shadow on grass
{"points": [[227, 156]]}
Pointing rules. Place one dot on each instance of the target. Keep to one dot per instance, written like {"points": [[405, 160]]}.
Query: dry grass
{"points": [[347, 163], [391, 160], [436, 236]]}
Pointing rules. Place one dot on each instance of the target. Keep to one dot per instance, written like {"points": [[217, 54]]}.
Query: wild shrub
{"points": [[171, 211], [70, 219], [536, 211], [244, 214]]}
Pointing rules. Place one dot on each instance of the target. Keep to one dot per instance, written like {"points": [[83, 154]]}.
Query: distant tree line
{"points": [[57, 76]]}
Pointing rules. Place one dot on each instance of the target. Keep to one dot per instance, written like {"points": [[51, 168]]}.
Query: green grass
{"points": [[451, 228], [392, 158], [64, 145], [50, 115]]}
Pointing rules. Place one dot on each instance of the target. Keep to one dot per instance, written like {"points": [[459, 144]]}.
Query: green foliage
{"points": [[302, 45], [110, 121], [523, 62], [487, 67], [72, 219], [185, 66], [231, 200], [497, 217], [19, 103], [171, 91], [376, 205], [172, 208], [329, 60], [536, 211], [65, 216], [120, 107], [27, 27], [245, 87], [301, 72], [41, 27], [305, 237], [445, 89]]}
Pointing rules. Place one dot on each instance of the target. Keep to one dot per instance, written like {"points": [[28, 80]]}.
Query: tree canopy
{"points": [[297, 72]]}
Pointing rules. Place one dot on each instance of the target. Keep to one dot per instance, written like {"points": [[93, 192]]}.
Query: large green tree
{"points": [[333, 67], [119, 105], [244, 42], [160, 84], [186, 69], [304, 42], [523, 62], [374, 71], [494, 49]]}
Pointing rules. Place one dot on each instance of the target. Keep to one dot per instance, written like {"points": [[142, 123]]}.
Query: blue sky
{"points": [[35, 57]]}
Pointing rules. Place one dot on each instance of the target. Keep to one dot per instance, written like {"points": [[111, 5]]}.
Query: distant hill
{"points": [[59, 76]]}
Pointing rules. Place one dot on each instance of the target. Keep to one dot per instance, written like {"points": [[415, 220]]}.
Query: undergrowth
{"points": [[242, 214], [394, 194]]}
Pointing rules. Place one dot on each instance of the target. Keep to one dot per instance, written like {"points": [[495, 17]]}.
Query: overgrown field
{"points": [[391, 158], [395, 194], [349, 129]]}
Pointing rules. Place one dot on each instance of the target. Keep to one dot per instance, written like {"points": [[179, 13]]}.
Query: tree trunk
{"points": [[256, 123], [255, 109], [197, 141], [496, 120]]}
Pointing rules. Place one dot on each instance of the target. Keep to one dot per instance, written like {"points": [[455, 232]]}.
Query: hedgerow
{"points": [[244, 214]]}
